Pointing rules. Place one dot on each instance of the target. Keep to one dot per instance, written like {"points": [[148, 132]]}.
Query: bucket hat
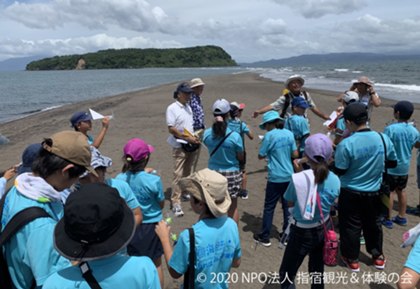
{"points": [[97, 223], [364, 80], [210, 187], [137, 149], [269, 116], [196, 82], [318, 145], [294, 77]]}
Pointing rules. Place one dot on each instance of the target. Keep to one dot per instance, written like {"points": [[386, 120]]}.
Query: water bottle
{"points": [[169, 220]]}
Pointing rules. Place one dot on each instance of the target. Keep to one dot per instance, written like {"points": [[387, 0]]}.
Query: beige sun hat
{"points": [[210, 187], [196, 82], [364, 80]]}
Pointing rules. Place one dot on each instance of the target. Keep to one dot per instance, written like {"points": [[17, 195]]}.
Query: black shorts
{"points": [[397, 182], [145, 242]]}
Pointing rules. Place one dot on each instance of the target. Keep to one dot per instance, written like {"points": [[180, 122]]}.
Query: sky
{"points": [[249, 30]]}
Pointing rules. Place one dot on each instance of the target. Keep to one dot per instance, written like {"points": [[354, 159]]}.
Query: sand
{"points": [[142, 114]]}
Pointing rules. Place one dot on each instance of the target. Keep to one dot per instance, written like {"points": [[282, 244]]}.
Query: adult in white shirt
{"points": [[179, 118]]}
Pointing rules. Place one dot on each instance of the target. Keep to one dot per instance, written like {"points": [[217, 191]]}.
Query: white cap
{"points": [[350, 96], [221, 106]]}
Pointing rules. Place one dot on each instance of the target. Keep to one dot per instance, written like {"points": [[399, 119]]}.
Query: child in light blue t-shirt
{"points": [[279, 147], [217, 245], [148, 189], [298, 124], [404, 136], [236, 124]]}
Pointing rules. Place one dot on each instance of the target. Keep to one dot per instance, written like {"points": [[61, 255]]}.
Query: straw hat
{"points": [[210, 187], [196, 82]]}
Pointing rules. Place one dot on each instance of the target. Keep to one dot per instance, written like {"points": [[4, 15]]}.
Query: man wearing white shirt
{"points": [[179, 117]]}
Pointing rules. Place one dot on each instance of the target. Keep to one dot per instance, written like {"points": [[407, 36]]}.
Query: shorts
{"points": [[397, 182], [234, 179], [145, 242]]}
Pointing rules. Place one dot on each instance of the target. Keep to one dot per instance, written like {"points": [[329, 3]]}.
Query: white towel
{"points": [[306, 191]]}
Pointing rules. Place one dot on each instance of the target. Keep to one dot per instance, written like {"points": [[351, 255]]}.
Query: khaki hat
{"points": [[196, 82], [364, 80], [71, 146], [210, 187]]}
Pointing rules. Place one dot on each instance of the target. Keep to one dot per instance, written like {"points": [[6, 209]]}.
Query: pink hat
{"points": [[318, 145], [137, 149]]}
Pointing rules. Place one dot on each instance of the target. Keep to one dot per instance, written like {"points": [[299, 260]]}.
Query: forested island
{"points": [[200, 56]]}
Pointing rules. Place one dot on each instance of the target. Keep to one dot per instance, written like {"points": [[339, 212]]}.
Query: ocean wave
{"points": [[412, 87], [51, 107], [341, 69]]}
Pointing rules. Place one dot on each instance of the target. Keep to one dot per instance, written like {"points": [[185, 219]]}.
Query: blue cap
{"points": [[80, 116], [184, 87], [300, 102], [28, 156], [405, 108], [269, 116]]}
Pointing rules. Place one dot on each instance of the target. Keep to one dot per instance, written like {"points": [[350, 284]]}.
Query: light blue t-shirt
{"points": [[125, 192], [413, 259], [113, 272], [3, 183], [299, 126], [238, 126], [328, 192], [340, 126], [404, 136], [225, 156], [362, 155], [217, 244], [278, 146], [148, 190], [31, 251]]}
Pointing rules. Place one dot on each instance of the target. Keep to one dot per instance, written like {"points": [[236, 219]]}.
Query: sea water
{"points": [[23, 93], [397, 80]]}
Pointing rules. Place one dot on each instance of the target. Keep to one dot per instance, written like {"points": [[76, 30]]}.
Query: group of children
{"points": [[213, 198]]}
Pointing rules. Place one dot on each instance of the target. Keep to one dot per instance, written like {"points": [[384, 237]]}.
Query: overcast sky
{"points": [[249, 30]]}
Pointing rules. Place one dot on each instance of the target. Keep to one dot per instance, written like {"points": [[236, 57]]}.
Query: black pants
{"points": [[359, 212], [301, 243]]}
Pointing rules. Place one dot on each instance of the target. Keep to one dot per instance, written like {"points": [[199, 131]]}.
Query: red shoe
{"points": [[379, 262], [353, 265]]}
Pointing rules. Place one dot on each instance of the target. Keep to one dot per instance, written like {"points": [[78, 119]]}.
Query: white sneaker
{"points": [[177, 210]]}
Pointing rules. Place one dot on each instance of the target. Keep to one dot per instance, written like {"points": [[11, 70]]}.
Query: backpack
{"points": [[288, 97], [13, 226]]}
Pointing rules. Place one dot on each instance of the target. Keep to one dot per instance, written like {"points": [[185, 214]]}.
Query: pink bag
{"points": [[330, 250]]}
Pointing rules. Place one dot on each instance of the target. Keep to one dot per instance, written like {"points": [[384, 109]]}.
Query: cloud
{"points": [[273, 26], [135, 15], [319, 8], [79, 45], [369, 33]]}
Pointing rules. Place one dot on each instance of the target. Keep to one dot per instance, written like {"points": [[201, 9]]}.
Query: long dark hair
{"points": [[219, 127], [320, 169]]}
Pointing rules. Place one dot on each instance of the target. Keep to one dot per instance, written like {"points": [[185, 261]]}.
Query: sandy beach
{"points": [[142, 114]]}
